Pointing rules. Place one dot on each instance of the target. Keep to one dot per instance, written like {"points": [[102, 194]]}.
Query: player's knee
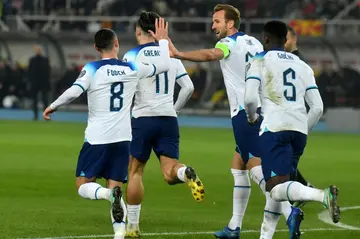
{"points": [[253, 162], [238, 162], [82, 180], [272, 182], [269, 186]]}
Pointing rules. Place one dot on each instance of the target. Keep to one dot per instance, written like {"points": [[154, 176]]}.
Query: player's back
{"points": [[284, 81], [242, 48], [110, 93], [155, 95]]}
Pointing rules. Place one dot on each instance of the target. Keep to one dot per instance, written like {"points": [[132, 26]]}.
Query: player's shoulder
{"points": [[147, 48], [277, 54], [306, 67], [260, 56], [96, 65], [230, 39], [174, 61]]}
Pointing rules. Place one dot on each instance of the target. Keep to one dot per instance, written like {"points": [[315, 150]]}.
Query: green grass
{"points": [[38, 196]]}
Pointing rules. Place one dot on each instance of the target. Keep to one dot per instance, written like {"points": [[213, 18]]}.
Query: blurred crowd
{"points": [[289, 9], [301, 9], [18, 86]]}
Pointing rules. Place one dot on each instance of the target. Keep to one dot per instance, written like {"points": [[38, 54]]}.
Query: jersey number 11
{"points": [[162, 77]]}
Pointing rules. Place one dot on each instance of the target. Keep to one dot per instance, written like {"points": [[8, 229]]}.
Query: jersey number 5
{"points": [[289, 75], [166, 82], [116, 90]]}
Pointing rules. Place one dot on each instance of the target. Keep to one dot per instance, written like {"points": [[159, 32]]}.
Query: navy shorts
{"points": [[109, 161], [246, 136], [160, 133], [281, 152]]}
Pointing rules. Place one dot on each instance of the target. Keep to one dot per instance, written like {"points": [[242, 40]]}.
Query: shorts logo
{"points": [[82, 73]]}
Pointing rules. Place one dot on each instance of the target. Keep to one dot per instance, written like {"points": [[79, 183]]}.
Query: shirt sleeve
{"points": [[81, 85], [130, 56], [187, 87], [69, 95], [313, 99], [252, 86], [310, 80], [224, 46], [84, 79], [145, 70], [180, 70], [253, 69]]}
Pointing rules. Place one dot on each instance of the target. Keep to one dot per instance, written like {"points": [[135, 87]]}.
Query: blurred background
{"points": [[45, 43], [328, 36]]}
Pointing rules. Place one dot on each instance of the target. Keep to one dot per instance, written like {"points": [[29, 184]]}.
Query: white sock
{"points": [[272, 215], [94, 191], [181, 173], [119, 228], [241, 197], [286, 209], [294, 191], [256, 174], [133, 213]]}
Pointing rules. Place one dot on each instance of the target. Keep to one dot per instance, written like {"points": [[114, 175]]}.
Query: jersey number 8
{"points": [[289, 75], [166, 82], [116, 96]]}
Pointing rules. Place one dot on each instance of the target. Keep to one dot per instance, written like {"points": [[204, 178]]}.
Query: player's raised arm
{"points": [[80, 85], [161, 35], [187, 87], [219, 52], [313, 99], [252, 87]]}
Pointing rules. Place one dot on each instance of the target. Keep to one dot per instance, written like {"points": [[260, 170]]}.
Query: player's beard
{"points": [[222, 34]]}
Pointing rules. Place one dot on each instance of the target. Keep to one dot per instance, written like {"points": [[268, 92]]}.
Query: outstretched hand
{"points": [[161, 29], [47, 112], [173, 51]]}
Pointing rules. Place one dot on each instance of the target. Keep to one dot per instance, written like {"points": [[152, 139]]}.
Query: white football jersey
{"points": [[238, 50], [110, 86], [155, 96], [284, 80]]}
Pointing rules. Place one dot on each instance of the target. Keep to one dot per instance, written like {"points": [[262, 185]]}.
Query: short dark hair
{"points": [[291, 30], [231, 13], [104, 39], [147, 21], [276, 31]]}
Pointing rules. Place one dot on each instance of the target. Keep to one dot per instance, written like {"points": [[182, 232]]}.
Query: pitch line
{"points": [[325, 217], [187, 233]]}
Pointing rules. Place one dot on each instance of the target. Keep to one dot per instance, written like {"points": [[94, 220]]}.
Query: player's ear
{"points": [[266, 40], [231, 24], [116, 43], [137, 31], [97, 49]]}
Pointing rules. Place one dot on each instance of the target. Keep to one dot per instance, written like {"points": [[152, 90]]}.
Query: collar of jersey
{"points": [[235, 35], [276, 49], [150, 44]]}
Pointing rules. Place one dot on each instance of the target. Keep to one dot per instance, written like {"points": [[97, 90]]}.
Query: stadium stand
{"points": [[333, 59]]}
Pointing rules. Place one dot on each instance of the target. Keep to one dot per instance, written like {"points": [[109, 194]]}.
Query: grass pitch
{"points": [[38, 197]]}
